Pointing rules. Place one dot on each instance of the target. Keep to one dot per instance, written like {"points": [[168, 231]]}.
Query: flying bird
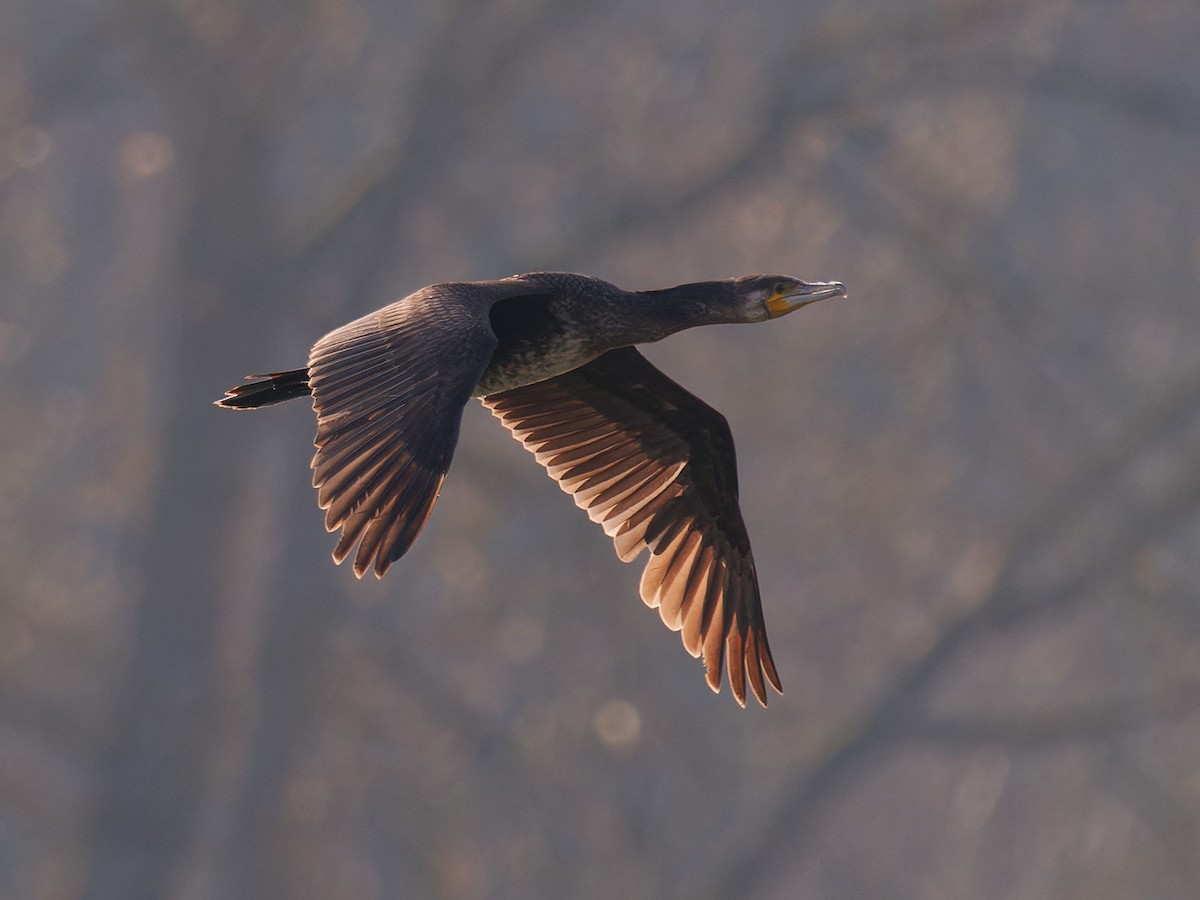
{"points": [[553, 356]]}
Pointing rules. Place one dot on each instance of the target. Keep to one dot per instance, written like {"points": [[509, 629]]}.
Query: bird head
{"points": [[751, 298], [771, 296]]}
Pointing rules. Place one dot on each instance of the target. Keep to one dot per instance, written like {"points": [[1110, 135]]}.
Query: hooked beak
{"points": [[804, 294]]}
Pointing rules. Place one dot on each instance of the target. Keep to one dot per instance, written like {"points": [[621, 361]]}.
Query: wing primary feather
{"points": [[754, 670], [369, 543], [352, 527], [342, 497], [735, 641], [656, 568], [714, 639], [692, 612], [768, 664], [675, 581]]}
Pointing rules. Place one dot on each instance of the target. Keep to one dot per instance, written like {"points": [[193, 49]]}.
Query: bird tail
{"points": [[266, 390]]}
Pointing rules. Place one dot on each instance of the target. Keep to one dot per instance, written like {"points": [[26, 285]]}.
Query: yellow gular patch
{"points": [[778, 304]]}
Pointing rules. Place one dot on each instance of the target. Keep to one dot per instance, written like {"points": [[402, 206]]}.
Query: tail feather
{"points": [[266, 390]]}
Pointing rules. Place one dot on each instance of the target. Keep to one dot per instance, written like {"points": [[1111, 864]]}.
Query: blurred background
{"points": [[973, 487]]}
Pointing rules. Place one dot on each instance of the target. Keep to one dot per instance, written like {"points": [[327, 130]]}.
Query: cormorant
{"points": [[552, 356]]}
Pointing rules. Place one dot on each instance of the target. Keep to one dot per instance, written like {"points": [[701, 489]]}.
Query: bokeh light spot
{"points": [[145, 154], [618, 724]]}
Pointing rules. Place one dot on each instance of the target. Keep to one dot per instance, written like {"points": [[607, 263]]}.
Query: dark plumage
{"points": [[551, 355]]}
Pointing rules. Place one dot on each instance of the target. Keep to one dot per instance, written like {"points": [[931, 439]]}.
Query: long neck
{"points": [[648, 316]]}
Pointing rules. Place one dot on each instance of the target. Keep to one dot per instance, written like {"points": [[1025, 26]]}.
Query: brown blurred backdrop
{"points": [[973, 487]]}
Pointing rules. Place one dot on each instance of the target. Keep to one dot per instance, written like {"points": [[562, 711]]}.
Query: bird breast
{"points": [[518, 363]]}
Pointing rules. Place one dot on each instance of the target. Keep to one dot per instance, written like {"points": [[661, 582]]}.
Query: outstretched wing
{"points": [[655, 466], [389, 390]]}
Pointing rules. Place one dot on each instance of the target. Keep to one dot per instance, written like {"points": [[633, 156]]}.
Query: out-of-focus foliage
{"points": [[973, 487]]}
